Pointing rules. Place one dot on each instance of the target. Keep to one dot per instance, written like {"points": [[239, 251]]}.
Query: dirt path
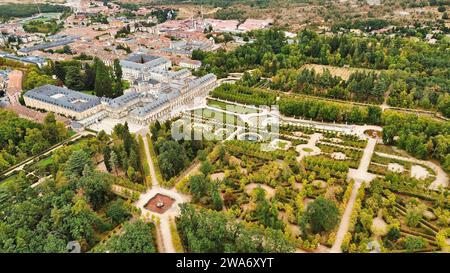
{"points": [[359, 176], [164, 235], [150, 162], [345, 220]]}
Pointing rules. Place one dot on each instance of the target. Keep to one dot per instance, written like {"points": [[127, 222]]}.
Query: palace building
{"points": [[63, 101], [156, 93]]}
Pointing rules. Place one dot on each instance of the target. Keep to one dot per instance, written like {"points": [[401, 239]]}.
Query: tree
{"points": [[206, 167], [414, 214], [393, 234], [107, 158], [114, 161], [35, 79], [118, 211], [73, 78], [103, 83], [198, 186], [66, 50], [118, 90], [117, 70], [96, 188], [89, 77], [136, 238], [54, 244], [172, 158], [77, 162], [217, 202], [322, 214], [265, 212], [34, 141], [374, 115], [51, 131], [413, 243]]}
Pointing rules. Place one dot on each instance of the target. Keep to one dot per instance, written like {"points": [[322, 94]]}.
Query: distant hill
{"points": [[30, 1]]}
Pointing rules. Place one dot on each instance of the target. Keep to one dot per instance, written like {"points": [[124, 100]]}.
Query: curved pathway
{"points": [[441, 175]]}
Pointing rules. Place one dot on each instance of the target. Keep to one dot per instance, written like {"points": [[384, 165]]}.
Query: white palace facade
{"points": [[156, 93]]}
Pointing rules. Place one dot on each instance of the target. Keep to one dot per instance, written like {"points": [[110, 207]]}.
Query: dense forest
{"points": [[205, 230], [416, 73], [69, 207], [21, 138], [76, 202], [122, 155], [422, 137], [173, 156], [361, 86]]}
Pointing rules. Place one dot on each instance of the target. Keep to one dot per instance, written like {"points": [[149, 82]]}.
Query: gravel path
{"points": [[150, 162], [164, 236], [359, 176]]}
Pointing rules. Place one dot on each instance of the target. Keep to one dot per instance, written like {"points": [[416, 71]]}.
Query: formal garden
{"points": [[305, 197], [398, 213], [274, 190]]}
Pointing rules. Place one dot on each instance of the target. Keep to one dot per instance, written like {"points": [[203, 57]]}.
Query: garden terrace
{"points": [[381, 165], [253, 150]]}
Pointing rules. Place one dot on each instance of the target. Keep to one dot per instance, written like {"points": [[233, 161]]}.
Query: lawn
{"points": [[231, 107]]}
